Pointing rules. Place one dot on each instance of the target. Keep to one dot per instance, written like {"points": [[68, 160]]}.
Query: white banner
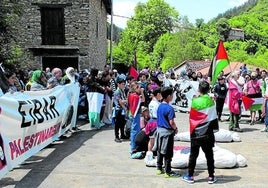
{"points": [[29, 121], [184, 92]]}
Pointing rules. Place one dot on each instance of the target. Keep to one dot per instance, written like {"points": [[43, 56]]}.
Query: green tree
{"points": [[150, 21], [252, 47], [9, 51], [223, 28], [177, 47], [199, 23]]}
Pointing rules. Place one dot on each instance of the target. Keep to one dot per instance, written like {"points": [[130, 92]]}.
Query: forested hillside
{"points": [[146, 42]]}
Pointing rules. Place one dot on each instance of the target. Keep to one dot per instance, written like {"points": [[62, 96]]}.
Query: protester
{"points": [[82, 112], [203, 122], [55, 79], [152, 124], [194, 76], [263, 90], [129, 80], [48, 73], [94, 86], [244, 69], [107, 103], [69, 77], [142, 139], [29, 81], [39, 81], [166, 129], [252, 89], [199, 76], [142, 81], [145, 117], [220, 92], [234, 104], [11, 81], [265, 113], [135, 98], [120, 103]]}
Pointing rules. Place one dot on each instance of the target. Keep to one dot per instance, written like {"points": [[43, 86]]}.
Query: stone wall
{"points": [[85, 27]]}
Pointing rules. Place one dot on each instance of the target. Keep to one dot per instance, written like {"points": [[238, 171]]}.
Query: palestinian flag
{"points": [[219, 62], [202, 114], [95, 101], [252, 104], [133, 104]]}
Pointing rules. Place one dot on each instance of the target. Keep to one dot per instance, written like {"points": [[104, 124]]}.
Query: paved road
{"points": [[90, 158]]}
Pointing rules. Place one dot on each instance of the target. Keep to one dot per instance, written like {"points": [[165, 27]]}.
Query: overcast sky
{"points": [[193, 9]]}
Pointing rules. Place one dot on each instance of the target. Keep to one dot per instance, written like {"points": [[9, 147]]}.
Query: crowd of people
{"points": [[143, 102], [243, 82]]}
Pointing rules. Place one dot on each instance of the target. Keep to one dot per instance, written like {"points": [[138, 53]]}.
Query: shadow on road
{"points": [[41, 166]]}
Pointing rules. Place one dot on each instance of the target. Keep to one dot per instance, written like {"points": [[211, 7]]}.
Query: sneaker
{"points": [[172, 174], [265, 129], [212, 180], [83, 116], [159, 172], [117, 140], [74, 129], [101, 124], [124, 137], [188, 179], [137, 155]]}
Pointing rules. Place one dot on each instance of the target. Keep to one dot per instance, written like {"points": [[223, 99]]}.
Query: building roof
{"points": [[233, 66], [203, 66], [195, 65]]}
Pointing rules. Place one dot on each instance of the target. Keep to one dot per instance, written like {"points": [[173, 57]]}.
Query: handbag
{"points": [[256, 94]]}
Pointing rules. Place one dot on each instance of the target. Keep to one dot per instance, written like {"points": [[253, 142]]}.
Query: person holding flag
{"points": [[234, 100], [203, 124]]}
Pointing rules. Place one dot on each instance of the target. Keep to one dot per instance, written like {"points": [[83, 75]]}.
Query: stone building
{"points": [[63, 33], [236, 34]]}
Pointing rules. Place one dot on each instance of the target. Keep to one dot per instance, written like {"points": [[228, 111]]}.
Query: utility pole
{"points": [[111, 38], [112, 34]]}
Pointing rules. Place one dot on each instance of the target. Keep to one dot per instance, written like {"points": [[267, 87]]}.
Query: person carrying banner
{"points": [[55, 79], [69, 77], [203, 124], [39, 81]]}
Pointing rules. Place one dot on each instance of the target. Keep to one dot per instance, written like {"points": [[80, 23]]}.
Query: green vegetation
{"points": [[157, 36], [10, 52]]}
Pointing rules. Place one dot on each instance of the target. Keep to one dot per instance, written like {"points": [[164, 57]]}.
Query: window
{"points": [[52, 26]]}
